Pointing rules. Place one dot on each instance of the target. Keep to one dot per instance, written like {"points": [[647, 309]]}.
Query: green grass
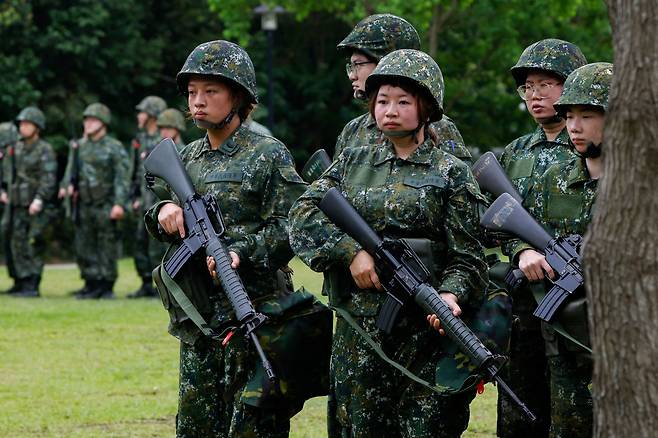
{"points": [[72, 368]]}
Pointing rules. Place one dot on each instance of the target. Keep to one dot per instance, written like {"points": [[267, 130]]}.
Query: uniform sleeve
{"points": [[269, 246], [450, 139], [121, 169], [317, 241], [511, 246], [340, 143], [466, 272], [48, 180]]}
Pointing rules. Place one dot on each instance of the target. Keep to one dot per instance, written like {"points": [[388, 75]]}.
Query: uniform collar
{"points": [[422, 155], [578, 173], [539, 137], [230, 147], [370, 121]]}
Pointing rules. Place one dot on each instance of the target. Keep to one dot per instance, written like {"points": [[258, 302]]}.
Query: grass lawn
{"points": [[74, 368]]}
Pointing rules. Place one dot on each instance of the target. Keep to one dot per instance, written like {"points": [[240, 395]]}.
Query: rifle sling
{"points": [[378, 349]]}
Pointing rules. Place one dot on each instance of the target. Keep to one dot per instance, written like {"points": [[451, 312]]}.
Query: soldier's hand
{"points": [[136, 204], [363, 272], [533, 265], [170, 218], [451, 300], [116, 213], [70, 190], [210, 262], [3, 197], [35, 207], [61, 193]]}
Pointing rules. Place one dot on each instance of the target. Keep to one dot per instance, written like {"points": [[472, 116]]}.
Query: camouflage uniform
{"points": [[103, 182], [148, 252], [524, 161], [563, 202], [254, 180], [32, 177], [8, 138], [431, 195]]}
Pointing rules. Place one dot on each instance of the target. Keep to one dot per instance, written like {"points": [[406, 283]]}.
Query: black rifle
{"points": [[316, 165], [405, 278], [491, 177], [135, 186], [205, 229], [75, 181], [506, 214]]}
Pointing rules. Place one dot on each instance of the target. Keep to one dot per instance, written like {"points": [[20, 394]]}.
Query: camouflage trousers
{"points": [[211, 382], [369, 398], [26, 241], [97, 242], [148, 251], [526, 373], [571, 398], [6, 240]]}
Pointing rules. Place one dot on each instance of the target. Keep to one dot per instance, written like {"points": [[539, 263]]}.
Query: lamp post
{"points": [[268, 23]]}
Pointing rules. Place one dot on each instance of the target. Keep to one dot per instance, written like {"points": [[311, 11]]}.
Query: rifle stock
{"points": [[491, 177], [316, 165]]}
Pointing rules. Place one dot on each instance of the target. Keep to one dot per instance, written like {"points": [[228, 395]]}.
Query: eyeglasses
{"points": [[542, 89], [353, 67]]}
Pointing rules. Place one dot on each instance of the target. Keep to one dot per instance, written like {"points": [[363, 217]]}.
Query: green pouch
{"points": [[297, 341]]}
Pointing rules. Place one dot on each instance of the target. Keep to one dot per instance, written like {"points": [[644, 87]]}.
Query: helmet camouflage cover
{"points": [[8, 134], [415, 66], [34, 115], [99, 111], [586, 85], [380, 34], [552, 55], [223, 59], [152, 105], [171, 118]]}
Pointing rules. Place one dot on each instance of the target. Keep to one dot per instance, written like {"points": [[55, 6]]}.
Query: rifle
{"points": [[316, 165], [491, 177], [506, 214], [135, 187], [75, 181], [205, 229], [405, 278]]}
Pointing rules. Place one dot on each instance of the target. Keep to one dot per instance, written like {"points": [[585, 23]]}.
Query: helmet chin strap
{"points": [[360, 95], [592, 151], [413, 133], [202, 124]]}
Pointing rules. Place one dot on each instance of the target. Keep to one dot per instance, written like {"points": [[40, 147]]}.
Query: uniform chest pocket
{"points": [[561, 206], [428, 194], [521, 168], [225, 185]]}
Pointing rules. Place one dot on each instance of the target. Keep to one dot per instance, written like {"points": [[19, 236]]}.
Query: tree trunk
{"points": [[621, 249]]}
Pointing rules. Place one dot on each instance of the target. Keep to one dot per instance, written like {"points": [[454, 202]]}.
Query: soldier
{"points": [[8, 138], [257, 127], [148, 253], [539, 75], [404, 187], [31, 186], [562, 201], [171, 124], [96, 179], [253, 178], [370, 40]]}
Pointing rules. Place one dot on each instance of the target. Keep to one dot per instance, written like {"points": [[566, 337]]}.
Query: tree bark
{"points": [[621, 249]]}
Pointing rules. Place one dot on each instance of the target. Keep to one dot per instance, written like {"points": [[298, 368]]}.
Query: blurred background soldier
{"points": [[8, 138], [539, 75], [96, 181], [31, 187], [148, 252], [171, 124]]}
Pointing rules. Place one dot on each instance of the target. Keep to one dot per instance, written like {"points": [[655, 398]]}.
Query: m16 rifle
{"points": [[205, 229], [316, 165], [506, 214], [405, 278]]}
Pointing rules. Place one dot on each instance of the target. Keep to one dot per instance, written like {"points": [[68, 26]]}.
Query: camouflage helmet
{"points": [[99, 111], [171, 118], [552, 55], [586, 85], [415, 66], [8, 134], [152, 105], [34, 115], [380, 34], [223, 59]]}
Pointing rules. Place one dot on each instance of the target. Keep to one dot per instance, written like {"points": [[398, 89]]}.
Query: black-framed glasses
{"points": [[353, 67], [542, 89]]}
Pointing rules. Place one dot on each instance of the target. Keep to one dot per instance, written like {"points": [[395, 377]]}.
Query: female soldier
{"points": [[405, 187], [254, 181], [562, 201]]}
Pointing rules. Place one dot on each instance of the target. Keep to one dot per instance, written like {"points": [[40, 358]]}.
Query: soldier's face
{"points": [[395, 109], [92, 125], [168, 132], [208, 100], [585, 125], [142, 118], [361, 67], [545, 91], [27, 129]]}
